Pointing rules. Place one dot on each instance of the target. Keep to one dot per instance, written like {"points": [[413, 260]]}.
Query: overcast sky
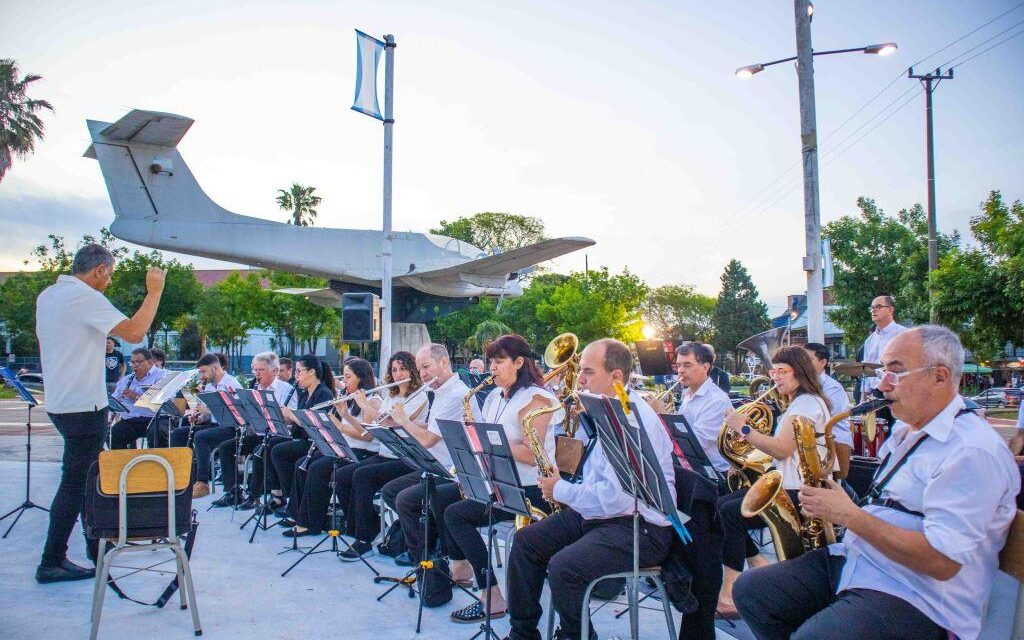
{"points": [[622, 122]]}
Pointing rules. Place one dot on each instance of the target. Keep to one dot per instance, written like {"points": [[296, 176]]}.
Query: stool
{"points": [[654, 573]]}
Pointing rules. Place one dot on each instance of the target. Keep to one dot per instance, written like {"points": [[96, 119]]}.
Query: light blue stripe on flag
{"points": [[828, 276], [368, 50]]}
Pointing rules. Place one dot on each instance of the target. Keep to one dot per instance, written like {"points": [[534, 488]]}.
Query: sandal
{"points": [[473, 613], [726, 612]]}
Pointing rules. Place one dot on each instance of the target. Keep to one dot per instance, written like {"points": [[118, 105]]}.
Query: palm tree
{"points": [[301, 202], [20, 127]]}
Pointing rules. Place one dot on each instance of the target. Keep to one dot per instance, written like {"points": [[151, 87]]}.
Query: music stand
{"points": [[331, 443], [631, 455], [488, 474], [264, 415], [687, 446], [11, 380]]}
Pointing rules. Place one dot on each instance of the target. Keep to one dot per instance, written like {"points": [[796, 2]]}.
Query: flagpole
{"points": [[389, 123]]}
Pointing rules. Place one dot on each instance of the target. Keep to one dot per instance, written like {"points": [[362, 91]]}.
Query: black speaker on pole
{"points": [[360, 317]]}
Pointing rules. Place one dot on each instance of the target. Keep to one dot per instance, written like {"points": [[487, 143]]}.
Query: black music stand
{"points": [[631, 455], [115, 407], [11, 380], [264, 415], [687, 446], [330, 442], [224, 407], [488, 474]]}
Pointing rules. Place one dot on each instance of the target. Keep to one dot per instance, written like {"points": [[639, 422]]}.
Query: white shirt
{"points": [[812, 407], [447, 406], [704, 410], [963, 479], [874, 347], [281, 391], [130, 381], [840, 402], [72, 324], [227, 383], [498, 410], [388, 403], [599, 496]]}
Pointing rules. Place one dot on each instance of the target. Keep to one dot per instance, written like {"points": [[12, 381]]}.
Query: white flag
{"points": [[368, 50], [828, 276]]}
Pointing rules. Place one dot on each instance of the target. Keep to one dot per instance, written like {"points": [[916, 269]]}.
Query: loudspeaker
{"points": [[653, 358], [360, 317]]}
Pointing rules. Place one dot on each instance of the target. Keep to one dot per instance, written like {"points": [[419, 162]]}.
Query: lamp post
{"points": [[809, 151]]}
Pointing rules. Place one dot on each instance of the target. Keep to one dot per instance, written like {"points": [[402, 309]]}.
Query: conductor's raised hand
{"points": [[155, 278]]}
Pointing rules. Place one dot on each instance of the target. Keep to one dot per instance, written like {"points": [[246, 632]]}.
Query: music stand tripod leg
{"points": [[27, 504], [263, 510]]}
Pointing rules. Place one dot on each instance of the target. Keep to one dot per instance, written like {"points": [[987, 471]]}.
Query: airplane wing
{"points": [[514, 260], [324, 297], [146, 127]]}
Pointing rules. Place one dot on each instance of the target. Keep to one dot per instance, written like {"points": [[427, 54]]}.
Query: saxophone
{"points": [[467, 400], [544, 466]]}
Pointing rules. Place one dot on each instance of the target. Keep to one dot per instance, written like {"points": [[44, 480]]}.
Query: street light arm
{"points": [[872, 48]]}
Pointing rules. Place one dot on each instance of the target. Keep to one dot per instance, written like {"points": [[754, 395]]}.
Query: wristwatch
{"points": [[745, 429]]}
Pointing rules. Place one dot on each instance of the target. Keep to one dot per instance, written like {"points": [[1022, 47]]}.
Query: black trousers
{"points": [[571, 552], [283, 456], [409, 504], [230, 476], [389, 492], [738, 546], [797, 599], [311, 491], [205, 442], [362, 520], [83, 439], [462, 536], [124, 434]]}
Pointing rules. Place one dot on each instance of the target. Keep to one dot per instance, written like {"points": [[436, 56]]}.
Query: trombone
{"points": [[349, 396]]}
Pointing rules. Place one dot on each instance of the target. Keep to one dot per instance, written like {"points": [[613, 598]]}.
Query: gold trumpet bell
{"points": [[561, 349]]}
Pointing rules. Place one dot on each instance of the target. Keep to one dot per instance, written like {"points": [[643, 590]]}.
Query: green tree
{"points": [[230, 309], [739, 311], [980, 292], [595, 305], [484, 333], [455, 330], [294, 318], [876, 254], [20, 124], [494, 231], [679, 312], [301, 202], [190, 337], [521, 313], [181, 296]]}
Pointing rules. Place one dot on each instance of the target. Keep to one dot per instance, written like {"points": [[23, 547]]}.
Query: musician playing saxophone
{"points": [[592, 535], [919, 557], [519, 389], [797, 381]]}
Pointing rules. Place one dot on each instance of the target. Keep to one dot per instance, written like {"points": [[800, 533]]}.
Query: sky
{"points": [[621, 122]]}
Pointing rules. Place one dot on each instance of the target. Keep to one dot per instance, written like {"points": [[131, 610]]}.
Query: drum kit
{"points": [[869, 430]]}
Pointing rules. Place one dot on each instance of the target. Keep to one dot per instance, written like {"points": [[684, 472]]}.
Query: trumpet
{"points": [[384, 415], [349, 396]]}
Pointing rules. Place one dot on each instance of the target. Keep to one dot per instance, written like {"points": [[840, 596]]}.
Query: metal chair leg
{"points": [[193, 605], [666, 605], [551, 617], [97, 604]]}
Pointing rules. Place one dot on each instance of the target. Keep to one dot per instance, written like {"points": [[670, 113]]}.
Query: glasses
{"points": [[894, 378], [876, 307]]}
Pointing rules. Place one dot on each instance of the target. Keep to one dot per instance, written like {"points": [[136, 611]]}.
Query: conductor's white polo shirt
{"points": [[72, 324]]}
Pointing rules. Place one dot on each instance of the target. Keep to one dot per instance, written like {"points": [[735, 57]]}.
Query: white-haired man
{"points": [[920, 554]]}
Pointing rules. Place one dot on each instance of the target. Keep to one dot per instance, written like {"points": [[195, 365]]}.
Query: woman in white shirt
{"points": [[519, 390], [797, 380]]}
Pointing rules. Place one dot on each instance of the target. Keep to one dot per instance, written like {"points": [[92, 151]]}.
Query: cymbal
{"points": [[857, 369]]}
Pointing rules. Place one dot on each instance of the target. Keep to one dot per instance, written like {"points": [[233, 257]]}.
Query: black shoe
{"points": [[358, 550], [473, 613], [403, 559], [248, 504], [227, 500], [285, 522], [66, 572], [280, 512], [295, 533]]}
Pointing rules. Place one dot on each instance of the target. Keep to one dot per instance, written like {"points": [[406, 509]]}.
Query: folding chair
{"points": [[650, 573], [1011, 561], [134, 482]]}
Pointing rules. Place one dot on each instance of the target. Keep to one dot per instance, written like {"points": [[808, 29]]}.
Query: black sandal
{"points": [[473, 613]]}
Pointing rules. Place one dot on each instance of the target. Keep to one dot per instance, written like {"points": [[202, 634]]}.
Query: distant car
{"points": [[33, 381], [998, 397]]}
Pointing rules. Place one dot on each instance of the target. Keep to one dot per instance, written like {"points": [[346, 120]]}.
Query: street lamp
{"points": [[809, 151]]}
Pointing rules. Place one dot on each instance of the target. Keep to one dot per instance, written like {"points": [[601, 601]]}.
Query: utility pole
{"points": [[389, 123], [809, 151], [930, 81]]}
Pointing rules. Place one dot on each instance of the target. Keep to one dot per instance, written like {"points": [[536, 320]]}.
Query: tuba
{"points": [[561, 356]]}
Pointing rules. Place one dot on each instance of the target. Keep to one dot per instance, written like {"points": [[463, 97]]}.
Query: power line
{"points": [[952, 61], [983, 51], [966, 35]]}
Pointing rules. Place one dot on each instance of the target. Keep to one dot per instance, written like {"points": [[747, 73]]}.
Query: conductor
{"points": [[73, 320]]}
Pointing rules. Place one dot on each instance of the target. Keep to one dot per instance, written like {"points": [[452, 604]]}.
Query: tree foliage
{"points": [[494, 231], [596, 304], [229, 310], [876, 254], [980, 292], [301, 202], [739, 311], [20, 124], [182, 292], [678, 312], [297, 322]]}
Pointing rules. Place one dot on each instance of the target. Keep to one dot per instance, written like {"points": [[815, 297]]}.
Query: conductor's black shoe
{"points": [[66, 572], [358, 550], [228, 499], [248, 504]]}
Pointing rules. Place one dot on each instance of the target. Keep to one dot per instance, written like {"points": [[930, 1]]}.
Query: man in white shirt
{"points": [[73, 319], [704, 404], [265, 371], [920, 556], [883, 313], [839, 400], [405, 493], [592, 535], [134, 423]]}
